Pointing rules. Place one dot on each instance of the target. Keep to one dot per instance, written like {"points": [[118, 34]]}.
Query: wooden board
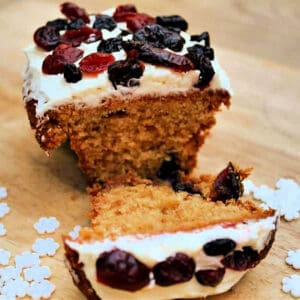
{"points": [[257, 42]]}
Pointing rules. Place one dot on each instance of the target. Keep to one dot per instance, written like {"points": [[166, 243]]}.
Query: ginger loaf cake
{"points": [[181, 238], [126, 89]]}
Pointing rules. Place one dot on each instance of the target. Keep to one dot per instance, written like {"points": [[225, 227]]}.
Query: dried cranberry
{"points": [[70, 54], [169, 170], [204, 36], [157, 56], [159, 37], [241, 260], [96, 62], [110, 45], [122, 72], [84, 34], [219, 247], [53, 64], [72, 73], [186, 187], [73, 12], [121, 270], [172, 21], [59, 24], [227, 185], [47, 37], [138, 21], [76, 24], [123, 11], [175, 269], [104, 22], [210, 277]]}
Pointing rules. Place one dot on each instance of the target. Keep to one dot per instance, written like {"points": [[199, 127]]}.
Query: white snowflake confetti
{"points": [[2, 230], [3, 192], [293, 259], [37, 273], [291, 285], [8, 273], [285, 198], [46, 225], [75, 232], [4, 257], [45, 246], [38, 290], [26, 260], [15, 287], [4, 209]]}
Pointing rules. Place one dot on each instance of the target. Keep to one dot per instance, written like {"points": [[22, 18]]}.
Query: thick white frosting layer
{"points": [[155, 248], [52, 90]]}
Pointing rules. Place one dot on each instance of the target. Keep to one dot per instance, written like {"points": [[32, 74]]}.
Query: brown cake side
{"points": [[133, 132]]}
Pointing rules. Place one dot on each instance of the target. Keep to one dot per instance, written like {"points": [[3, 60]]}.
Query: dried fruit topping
{"points": [[139, 21], [159, 37], [125, 72], [206, 72], [72, 73], [76, 24], [121, 270], [175, 269], [96, 62], [219, 247], [196, 51], [73, 12], [186, 187], [47, 37], [227, 185], [204, 36], [210, 277], [63, 54], [110, 45], [169, 171], [84, 34], [123, 11], [124, 33], [104, 22], [157, 56], [172, 21], [59, 24], [241, 260]]}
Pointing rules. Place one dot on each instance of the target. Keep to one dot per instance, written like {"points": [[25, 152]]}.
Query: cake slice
{"points": [[128, 90], [180, 238]]}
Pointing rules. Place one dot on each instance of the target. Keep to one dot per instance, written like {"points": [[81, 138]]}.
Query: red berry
{"points": [[84, 34], [46, 37], [138, 21], [73, 12], [53, 64], [210, 277], [122, 12], [69, 53], [96, 62]]}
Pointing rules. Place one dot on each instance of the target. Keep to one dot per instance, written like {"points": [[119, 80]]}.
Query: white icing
{"points": [[156, 248], [52, 90]]}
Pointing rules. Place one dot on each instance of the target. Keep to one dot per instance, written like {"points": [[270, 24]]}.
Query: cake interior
{"points": [[148, 208]]}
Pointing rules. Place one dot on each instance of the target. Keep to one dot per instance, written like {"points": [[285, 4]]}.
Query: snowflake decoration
{"points": [[4, 257], [46, 225], [26, 260], [15, 287], [75, 232], [45, 247], [38, 290], [3, 192], [4, 209], [293, 259], [291, 285], [37, 273], [2, 230]]}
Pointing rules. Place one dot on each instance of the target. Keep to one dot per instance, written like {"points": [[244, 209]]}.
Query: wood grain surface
{"points": [[257, 42]]}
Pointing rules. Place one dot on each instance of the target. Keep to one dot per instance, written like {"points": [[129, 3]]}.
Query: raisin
{"points": [[175, 269], [96, 62], [186, 187], [123, 11], [159, 37], [204, 36], [210, 277], [84, 34], [122, 72], [76, 24], [158, 56], [121, 270], [73, 12], [196, 51], [241, 260], [47, 37], [53, 64], [72, 73], [59, 24], [219, 247], [227, 185], [104, 22], [138, 21], [124, 32], [169, 171], [206, 72], [110, 45], [172, 21]]}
